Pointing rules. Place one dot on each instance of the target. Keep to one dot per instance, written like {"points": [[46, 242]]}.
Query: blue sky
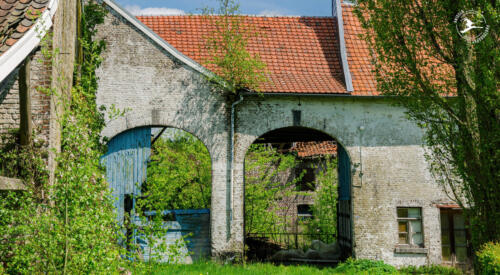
{"points": [[255, 7]]}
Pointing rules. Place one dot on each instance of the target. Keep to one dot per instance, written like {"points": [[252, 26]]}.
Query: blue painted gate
{"points": [[126, 166], [126, 170]]}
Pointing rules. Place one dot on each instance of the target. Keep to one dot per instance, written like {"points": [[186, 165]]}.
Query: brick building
{"points": [[320, 85]]}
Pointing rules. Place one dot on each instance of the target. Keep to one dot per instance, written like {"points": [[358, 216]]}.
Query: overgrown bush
{"points": [[264, 188], [324, 209], [352, 266], [433, 269], [67, 226], [488, 258]]}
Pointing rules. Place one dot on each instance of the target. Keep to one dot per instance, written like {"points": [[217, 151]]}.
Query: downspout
{"points": [[231, 166]]}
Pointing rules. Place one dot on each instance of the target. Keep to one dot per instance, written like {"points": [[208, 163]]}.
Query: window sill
{"points": [[410, 250]]}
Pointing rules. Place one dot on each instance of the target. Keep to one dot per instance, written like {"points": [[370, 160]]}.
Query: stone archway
{"points": [[310, 146]]}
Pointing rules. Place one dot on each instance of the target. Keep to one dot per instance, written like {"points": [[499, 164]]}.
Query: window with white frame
{"points": [[410, 226]]}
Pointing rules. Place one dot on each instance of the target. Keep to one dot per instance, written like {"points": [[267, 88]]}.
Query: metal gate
{"points": [[344, 211]]}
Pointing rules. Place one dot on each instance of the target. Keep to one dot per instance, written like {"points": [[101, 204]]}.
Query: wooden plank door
{"points": [[126, 165]]}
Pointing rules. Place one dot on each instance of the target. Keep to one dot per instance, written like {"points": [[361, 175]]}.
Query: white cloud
{"points": [[271, 13], [137, 10]]}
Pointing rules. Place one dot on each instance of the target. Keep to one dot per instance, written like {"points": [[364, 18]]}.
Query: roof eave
{"points": [[30, 40]]}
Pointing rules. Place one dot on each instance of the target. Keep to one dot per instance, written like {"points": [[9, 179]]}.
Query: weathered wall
{"points": [[154, 88], [40, 73], [64, 37], [47, 75], [391, 172]]}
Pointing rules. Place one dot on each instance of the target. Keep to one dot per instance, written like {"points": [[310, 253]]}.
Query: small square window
{"points": [[304, 212], [410, 226], [307, 182]]}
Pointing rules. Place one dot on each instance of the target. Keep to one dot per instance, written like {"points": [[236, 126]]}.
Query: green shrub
{"points": [[488, 258], [352, 266], [433, 269]]}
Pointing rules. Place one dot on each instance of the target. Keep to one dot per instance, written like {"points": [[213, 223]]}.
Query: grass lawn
{"points": [[247, 269], [349, 268]]}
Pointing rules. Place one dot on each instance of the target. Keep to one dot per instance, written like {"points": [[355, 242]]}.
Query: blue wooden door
{"points": [[126, 165], [344, 213]]}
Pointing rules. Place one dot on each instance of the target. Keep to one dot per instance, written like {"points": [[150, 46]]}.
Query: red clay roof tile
{"points": [[314, 148], [301, 53], [16, 18]]}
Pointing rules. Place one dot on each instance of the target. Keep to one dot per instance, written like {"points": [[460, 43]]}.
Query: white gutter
{"points": [[231, 166], [30, 40]]}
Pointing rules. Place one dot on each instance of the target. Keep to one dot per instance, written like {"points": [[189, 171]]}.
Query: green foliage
{"points": [[420, 59], [67, 226], [24, 162], [235, 66], [352, 266], [488, 258], [179, 174], [178, 177], [367, 267], [263, 188], [325, 202], [433, 269]]}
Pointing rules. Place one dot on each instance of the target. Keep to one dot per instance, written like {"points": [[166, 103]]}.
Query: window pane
{"points": [[418, 239], [446, 253], [416, 226], [460, 238], [402, 212], [458, 221], [403, 227], [444, 221], [403, 238], [461, 254], [445, 237], [414, 212]]}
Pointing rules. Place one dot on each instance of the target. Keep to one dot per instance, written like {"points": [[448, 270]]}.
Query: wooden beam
{"points": [[11, 184], [26, 125]]}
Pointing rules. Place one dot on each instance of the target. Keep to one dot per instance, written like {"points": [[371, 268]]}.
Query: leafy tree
{"points": [[179, 174], [235, 66], [449, 86], [264, 188], [324, 209]]}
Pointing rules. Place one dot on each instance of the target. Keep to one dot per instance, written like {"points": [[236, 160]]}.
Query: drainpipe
{"points": [[231, 166]]}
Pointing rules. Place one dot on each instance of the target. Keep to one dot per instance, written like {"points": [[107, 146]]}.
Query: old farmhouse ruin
{"points": [[320, 87]]}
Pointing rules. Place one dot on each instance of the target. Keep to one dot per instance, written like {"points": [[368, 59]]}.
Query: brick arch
{"points": [[243, 143], [156, 118]]}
